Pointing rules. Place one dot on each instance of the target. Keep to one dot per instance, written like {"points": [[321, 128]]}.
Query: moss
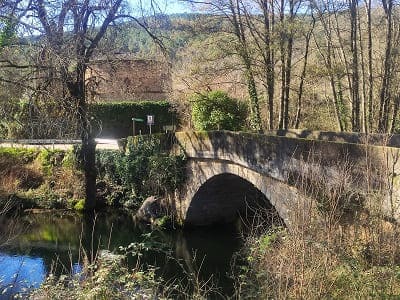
{"points": [[80, 205], [49, 159], [11, 156]]}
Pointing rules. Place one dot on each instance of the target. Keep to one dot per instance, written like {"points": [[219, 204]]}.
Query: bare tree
{"points": [[235, 13], [385, 92], [72, 31], [304, 71], [268, 10], [368, 8], [355, 91], [326, 50]]}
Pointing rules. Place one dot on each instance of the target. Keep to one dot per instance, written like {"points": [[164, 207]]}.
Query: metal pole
{"points": [[133, 126]]}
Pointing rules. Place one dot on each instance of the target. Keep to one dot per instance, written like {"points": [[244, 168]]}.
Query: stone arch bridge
{"points": [[225, 169]]}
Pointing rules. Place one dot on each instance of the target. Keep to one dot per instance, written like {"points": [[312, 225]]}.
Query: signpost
{"points": [[133, 123], [150, 121]]}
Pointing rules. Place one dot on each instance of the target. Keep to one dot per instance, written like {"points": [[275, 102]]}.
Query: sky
{"points": [[166, 6]]}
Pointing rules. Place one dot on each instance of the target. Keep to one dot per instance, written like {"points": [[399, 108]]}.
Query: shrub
{"points": [[217, 111], [144, 169], [49, 159], [12, 156]]}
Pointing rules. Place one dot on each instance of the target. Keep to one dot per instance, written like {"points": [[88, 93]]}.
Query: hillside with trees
{"points": [[324, 65]]}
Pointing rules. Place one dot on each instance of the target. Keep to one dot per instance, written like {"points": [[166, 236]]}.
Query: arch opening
{"points": [[226, 197]]}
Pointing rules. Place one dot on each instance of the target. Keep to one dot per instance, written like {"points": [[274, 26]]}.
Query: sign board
{"points": [[150, 120], [137, 120]]}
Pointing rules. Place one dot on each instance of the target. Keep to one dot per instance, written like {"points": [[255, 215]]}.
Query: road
{"points": [[110, 144]]}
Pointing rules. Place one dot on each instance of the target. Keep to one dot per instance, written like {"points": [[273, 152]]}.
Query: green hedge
{"points": [[116, 117]]}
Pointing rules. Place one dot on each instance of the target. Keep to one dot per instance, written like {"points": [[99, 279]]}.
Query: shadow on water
{"points": [[53, 242]]}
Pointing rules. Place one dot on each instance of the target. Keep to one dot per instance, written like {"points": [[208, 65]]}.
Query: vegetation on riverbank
{"points": [[320, 261], [106, 278], [33, 178], [109, 277], [44, 178], [341, 244], [145, 168]]}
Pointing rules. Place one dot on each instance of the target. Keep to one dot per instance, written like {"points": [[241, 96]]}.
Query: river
{"points": [[53, 242]]}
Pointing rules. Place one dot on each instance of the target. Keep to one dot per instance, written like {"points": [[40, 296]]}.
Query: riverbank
{"points": [[47, 179]]}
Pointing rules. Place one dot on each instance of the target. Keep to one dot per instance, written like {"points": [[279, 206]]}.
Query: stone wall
{"points": [[128, 80]]}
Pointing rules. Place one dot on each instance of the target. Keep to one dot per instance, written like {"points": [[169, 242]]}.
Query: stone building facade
{"points": [[124, 79]]}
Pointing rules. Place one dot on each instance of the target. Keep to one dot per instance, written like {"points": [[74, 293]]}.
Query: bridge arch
{"points": [[217, 190], [225, 196]]}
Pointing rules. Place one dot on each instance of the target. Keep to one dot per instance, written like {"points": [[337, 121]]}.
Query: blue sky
{"points": [[166, 6]]}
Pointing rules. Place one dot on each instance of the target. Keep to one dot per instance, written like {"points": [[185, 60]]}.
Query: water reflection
{"points": [[54, 242], [20, 273]]}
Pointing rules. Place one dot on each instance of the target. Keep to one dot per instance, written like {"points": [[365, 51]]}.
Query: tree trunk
{"points": [[255, 118], [370, 77], [385, 85], [237, 22], [356, 125], [88, 151], [364, 105], [269, 56], [288, 67], [283, 66], [89, 166], [303, 74]]}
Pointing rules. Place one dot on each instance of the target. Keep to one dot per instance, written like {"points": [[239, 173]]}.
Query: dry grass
{"points": [[20, 177], [39, 177], [343, 262], [343, 246]]}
